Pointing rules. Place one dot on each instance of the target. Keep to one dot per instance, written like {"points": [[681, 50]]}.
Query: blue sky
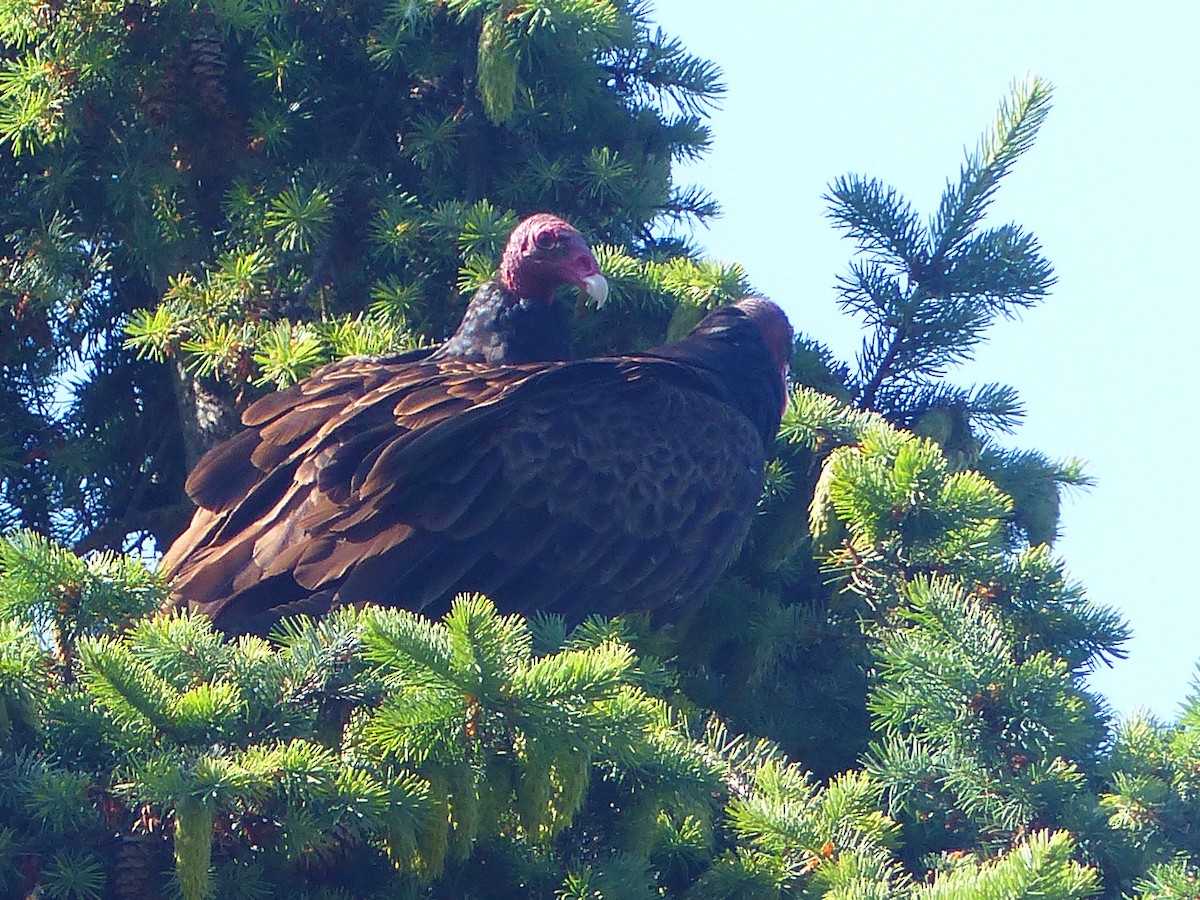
{"points": [[1108, 365]]}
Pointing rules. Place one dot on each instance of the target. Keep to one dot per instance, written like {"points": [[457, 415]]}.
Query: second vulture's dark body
{"points": [[595, 486]]}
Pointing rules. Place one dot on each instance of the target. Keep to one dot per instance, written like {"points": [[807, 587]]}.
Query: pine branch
{"points": [[963, 205], [691, 203], [1040, 866], [929, 294], [657, 70], [882, 222], [882, 370], [872, 292], [819, 421], [325, 254], [1002, 268]]}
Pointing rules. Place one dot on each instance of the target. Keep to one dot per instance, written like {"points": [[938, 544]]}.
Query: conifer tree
{"points": [[886, 508], [210, 199]]}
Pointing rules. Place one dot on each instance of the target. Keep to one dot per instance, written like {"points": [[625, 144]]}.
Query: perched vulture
{"points": [[594, 486]]}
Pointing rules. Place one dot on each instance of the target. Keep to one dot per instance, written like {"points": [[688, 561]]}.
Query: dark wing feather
{"points": [[573, 488], [279, 423], [258, 491]]}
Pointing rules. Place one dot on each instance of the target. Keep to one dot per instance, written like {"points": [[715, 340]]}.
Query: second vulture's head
{"points": [[544, 252], [776, 332]]}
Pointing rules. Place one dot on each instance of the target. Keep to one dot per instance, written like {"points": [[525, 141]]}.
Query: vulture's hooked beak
{"points": [[596, 287]]}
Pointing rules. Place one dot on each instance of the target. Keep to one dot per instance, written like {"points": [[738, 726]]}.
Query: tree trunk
{"points": [[208, 412]]}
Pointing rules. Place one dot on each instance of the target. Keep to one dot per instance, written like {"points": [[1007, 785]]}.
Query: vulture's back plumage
{"points": [[595, 486]]}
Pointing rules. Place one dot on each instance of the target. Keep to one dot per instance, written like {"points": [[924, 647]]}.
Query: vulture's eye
{"points": [[547, 240]]}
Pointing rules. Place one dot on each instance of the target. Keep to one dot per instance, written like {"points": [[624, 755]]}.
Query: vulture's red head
{"points": [[776, 330], [545, 252]]}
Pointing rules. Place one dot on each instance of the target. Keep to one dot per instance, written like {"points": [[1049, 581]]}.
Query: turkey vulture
{"points": [[594, 486]]}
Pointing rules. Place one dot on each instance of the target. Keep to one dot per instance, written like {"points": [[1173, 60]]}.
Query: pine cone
{"points": [[208, 64], [140, 857]]}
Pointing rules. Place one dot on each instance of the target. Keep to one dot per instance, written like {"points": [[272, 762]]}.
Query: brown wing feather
{"points": [[542, 494], [258, 492]]}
